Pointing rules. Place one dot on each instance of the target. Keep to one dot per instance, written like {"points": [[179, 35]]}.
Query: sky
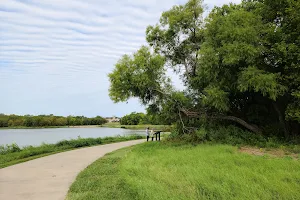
{"points": [[55, 54]]}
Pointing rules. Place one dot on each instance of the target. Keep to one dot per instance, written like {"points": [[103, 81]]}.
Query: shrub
{"points": [[234, 135], [230, 135]]}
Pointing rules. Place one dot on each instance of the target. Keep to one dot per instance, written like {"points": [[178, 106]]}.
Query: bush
{"points": [[201, 134], [234, 136], [231, 135]]}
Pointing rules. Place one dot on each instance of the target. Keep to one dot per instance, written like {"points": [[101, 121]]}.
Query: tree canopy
{"points": [[142, 118], [241, 65], [133, 119]]}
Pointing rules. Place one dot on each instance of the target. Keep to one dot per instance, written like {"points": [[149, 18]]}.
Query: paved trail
{"points": [[49, 178]]}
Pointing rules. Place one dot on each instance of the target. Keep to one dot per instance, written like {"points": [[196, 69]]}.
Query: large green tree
{"points": [[133, 119], [241, 64], [249, 63]]}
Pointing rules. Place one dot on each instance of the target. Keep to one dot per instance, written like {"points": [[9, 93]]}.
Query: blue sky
{"points": [[55, 54]]}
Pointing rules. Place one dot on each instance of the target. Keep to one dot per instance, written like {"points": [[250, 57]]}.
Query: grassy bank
{"points": [[137, 127], [175, 171], [12, 154]]}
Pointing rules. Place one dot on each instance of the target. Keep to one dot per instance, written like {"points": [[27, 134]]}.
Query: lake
{"points": [[34, 137]]}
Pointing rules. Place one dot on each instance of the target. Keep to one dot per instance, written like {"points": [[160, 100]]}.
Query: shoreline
{"points": [[107, 125], [45, 127]]}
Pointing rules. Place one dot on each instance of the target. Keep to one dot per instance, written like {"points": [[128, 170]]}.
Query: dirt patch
{"points": [[272, 153]]}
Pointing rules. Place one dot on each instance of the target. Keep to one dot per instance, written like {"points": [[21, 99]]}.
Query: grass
{"points": [[12, 154], [174, 171], [137, 127]]}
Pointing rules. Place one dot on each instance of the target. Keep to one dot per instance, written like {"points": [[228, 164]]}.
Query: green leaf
{"points": [[261, 81]]}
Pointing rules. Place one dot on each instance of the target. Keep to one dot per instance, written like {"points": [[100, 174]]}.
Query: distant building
{"points": [[113, 119]]}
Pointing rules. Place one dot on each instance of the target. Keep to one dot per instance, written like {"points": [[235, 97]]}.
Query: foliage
{"points": [[178, 36], [216, 134], [133, 119], [240, 65], [183, 171], [138, 76], [12, 154], [141, 118], [244, 66], [47, 120], [260, 81]]}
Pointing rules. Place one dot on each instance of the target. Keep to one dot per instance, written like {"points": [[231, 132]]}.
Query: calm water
{"points": [[24, 137]]}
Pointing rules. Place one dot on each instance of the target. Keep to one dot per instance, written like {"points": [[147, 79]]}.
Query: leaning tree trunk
{"points": [[250, 127], [240, 121]]}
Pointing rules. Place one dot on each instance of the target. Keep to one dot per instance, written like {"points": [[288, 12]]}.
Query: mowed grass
{"points": [[156, 170]]}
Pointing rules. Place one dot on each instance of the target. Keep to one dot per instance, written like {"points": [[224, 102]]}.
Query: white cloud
{"points": [[54, 54]]}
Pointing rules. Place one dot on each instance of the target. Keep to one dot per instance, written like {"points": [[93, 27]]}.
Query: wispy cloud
{"points": [[55, 55]]}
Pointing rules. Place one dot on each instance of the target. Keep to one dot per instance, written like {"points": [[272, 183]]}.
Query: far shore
{"points": [[107, 125], [42, 127]]}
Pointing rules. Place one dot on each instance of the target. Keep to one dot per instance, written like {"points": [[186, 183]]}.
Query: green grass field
{"points": [[12, 154], [168, 171], [137, 127]]}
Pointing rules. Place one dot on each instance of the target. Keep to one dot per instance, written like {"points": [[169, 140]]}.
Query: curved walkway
{"points": [[49, 178]]}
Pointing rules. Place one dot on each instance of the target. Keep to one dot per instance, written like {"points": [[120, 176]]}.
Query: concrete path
{"points": [[49, 178]]}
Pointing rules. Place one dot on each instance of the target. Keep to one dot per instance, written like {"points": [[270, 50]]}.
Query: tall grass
{"points": [[175, 171], [13, 154]]}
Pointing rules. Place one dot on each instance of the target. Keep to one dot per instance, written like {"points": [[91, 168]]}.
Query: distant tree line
{"points": [[48, 120], [142, 118]]}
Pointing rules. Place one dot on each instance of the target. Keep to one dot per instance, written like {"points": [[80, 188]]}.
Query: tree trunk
{"points": [[281, 119], [250, 127]]}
